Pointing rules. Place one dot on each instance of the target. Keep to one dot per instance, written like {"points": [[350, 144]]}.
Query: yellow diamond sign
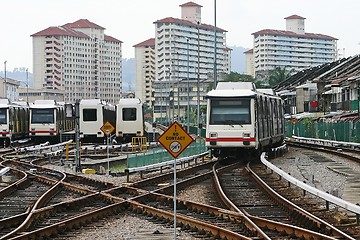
{"points": [[107, 128], [175, 139]]}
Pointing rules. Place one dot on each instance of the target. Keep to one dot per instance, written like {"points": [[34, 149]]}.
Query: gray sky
{"points": [[131, 21]]}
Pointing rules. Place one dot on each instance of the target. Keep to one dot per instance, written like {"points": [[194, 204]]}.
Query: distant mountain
{"points": [[128, 75], [20, 75], [238, 59]]}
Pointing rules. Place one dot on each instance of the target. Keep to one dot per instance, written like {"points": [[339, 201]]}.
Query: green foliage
{"points": [[278, 74], [238, 77]]}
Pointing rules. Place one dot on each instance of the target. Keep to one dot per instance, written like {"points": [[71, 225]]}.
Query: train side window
{"points": [[89, 115], [129, 114]]}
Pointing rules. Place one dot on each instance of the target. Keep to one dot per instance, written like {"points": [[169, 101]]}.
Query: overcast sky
{"points": [[131, 21]]}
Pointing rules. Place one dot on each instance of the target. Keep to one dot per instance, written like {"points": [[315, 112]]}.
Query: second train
{"points": [[48, 120]]}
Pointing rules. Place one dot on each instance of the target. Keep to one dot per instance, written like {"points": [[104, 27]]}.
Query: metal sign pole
{"points": [[174, 198], [107, 154], [77, 136], [175, 140]]}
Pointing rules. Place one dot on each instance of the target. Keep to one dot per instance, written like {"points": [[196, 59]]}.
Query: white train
{"points": [[129, 119], [94, 113], [241, 119], [48, 119], [14, 121]]}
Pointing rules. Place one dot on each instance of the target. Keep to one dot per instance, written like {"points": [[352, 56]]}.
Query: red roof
{"points": [[292, 34], [294, 17], [190, 4], [149, 42], [83, 23], [111, 39], [186, 22], [249, 51], [60, 31]]}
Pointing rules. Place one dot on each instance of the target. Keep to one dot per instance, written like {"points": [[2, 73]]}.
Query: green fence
{"points": [[338, 131], [158, 155]]}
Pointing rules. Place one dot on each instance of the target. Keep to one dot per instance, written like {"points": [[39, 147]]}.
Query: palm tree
{"points": [[278, 74]]}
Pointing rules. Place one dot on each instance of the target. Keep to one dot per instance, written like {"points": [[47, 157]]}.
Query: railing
{"points": [[160, 155], [316, 192], [348, 131]]}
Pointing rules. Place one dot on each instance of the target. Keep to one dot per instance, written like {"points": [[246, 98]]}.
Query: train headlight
{"points": [[246, 140], [246, 135], [213, 141], [213, 135]]}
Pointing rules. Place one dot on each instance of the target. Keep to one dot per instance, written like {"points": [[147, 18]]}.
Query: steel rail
{"points": [[294, 208]]}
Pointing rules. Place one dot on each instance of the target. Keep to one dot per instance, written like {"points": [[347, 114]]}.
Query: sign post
{"points": [[107, 129], [175, 140]]}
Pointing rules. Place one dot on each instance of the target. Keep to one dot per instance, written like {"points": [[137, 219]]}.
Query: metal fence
{"points": [[348, 131], [158, 155]]}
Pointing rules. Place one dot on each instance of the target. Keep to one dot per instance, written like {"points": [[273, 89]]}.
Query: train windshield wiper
{"points": [[232, 123]]}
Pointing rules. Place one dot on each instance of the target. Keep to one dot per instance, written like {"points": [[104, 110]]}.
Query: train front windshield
{"points": [[230, 112], [3, 116], [129, 114], [42, 116]]}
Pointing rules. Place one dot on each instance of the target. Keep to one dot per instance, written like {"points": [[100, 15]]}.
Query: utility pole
{"points": [[215, 46], [27, 86], [188, 88], [198, 82], [4, 84], [77, 135]]}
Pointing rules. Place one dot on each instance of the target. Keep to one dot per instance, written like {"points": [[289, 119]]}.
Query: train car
{"points": [[241, 119], [48, 120], [94, 113], [129, 119], [14, 121]]}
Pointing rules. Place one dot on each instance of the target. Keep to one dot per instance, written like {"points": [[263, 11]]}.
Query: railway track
{"points": [[252, 196], [80, 201]]}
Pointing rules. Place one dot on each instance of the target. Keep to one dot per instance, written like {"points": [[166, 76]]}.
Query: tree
{"points": [[238, 77], [278, 74]]}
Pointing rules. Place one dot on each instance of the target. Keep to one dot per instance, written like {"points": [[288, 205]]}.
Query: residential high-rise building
{"points": [[249, 62], [144, 70], [79, 59], [293, 48], [185, 62]]}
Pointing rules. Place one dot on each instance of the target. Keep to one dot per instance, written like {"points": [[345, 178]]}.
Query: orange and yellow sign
{"points": [[107, 128], [175, 139]]}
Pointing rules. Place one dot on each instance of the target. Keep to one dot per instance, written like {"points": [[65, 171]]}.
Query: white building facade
{"points": [[144, 70], [9, 88], [80, 60], [184, 61], [293, 49]]}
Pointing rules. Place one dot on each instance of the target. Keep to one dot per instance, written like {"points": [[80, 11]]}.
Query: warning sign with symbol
{"points": [[107, 128], [175, 139]]}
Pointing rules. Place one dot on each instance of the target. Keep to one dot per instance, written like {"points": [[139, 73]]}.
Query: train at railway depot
{"points": [[14, 121], [48, 120], [94, 113], [129, 119], [243, 120]]}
